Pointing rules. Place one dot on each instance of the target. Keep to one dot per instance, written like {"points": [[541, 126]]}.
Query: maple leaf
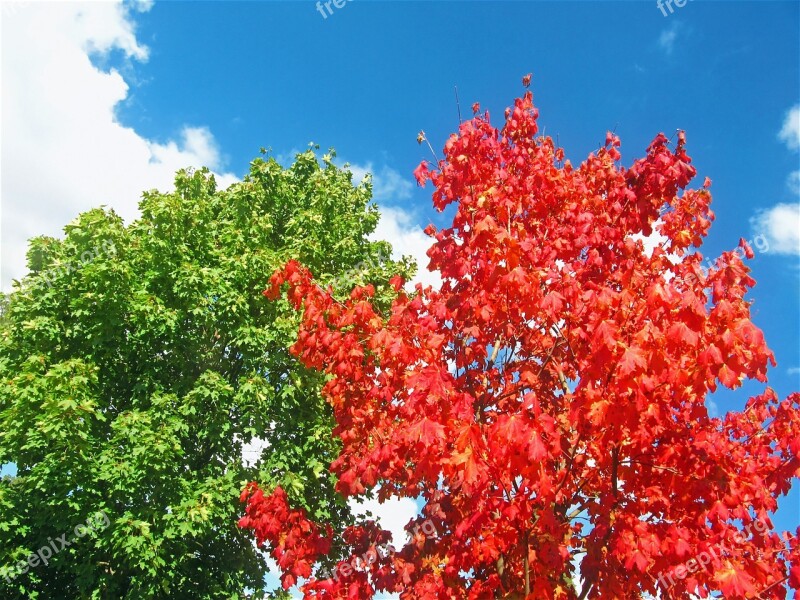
{"points": [[632, 361], [734, 583], [421, 173], [681, 333], [552, 304], [605, 335], [794, 577], [427, 431], [536, 449], [682, 547], [468, 462], [637, 559], [728, 377]]}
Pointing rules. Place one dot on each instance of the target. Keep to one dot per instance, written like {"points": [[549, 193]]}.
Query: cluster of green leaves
{"points": [[129, 384]]}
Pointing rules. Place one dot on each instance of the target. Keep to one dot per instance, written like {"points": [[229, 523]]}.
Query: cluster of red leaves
{"points": [[548, 402], [296, 542]]}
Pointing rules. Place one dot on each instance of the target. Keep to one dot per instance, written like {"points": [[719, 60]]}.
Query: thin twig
{"points": [[760, 594]]}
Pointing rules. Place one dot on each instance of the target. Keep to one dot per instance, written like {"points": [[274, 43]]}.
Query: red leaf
{"points": [[422, 174], [632, 361], [735, 583], [427, 432]]}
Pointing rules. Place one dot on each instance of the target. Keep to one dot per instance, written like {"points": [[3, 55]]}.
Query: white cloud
{"points": [[652, 241], [387, 184], [790, 132], [793, 182], [397, 225], [63, 150], [790, 135], [781, 226], [668, 37], [393, 515]]}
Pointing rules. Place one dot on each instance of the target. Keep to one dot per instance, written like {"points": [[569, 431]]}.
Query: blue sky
{"points": [[118, 97]]}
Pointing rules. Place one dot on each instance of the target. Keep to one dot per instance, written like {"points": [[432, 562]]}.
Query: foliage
{"points": [[547, 404], [135, 362]]}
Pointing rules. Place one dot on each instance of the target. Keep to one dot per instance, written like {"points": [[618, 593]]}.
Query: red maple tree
{"points": [[548, 403]]}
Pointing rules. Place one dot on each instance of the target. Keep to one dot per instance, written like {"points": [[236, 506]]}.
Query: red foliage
{"points": [[296, 541], [548, 402]]}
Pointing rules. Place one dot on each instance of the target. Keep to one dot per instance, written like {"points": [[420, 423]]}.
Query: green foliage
{"points": [[136, 360]]}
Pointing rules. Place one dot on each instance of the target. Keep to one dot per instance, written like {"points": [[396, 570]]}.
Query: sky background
{"points": [[103, 100]]}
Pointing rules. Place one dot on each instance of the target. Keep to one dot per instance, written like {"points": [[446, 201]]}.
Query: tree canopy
{"points": [[135, 363], [548, 405]]}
